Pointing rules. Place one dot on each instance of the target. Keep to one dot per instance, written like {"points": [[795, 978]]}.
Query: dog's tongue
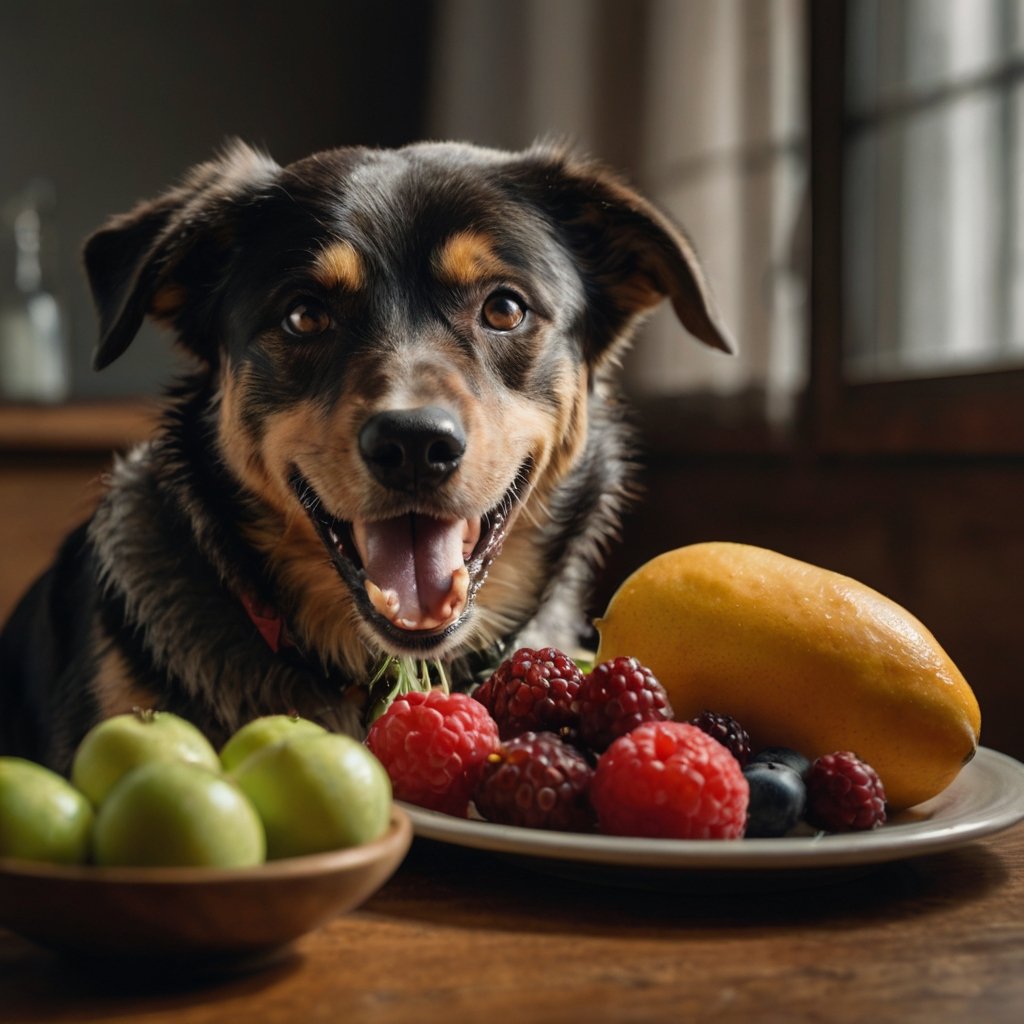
{"points": [[416, 576]]}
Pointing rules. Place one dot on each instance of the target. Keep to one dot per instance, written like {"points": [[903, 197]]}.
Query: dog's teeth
{"points": [[384, 601], [407, 623], [460, 588], [470, 537], [460, 584]]}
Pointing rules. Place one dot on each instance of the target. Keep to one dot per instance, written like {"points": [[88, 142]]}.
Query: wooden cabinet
{"points": [[51, 465]]}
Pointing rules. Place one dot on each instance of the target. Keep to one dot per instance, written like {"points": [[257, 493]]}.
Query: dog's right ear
{"points": [[629, 253], [137, 264]]}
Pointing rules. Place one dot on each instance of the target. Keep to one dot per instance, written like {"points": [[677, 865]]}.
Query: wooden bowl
{"points": [[207, 914]]}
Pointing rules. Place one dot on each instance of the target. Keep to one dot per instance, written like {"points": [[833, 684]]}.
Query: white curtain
{"points": [[701, 103]]}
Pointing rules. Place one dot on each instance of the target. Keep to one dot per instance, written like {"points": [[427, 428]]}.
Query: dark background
{"points": [[111, 101]]}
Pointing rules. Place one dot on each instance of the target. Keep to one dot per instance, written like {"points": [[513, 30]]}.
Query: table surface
{"points": [[462, 935]]}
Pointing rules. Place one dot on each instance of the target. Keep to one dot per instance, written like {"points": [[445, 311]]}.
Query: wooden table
{"points": [[459, 935]]}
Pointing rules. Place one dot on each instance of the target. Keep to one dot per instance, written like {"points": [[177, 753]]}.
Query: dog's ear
{"points": [[630, 254], [138, 263]]}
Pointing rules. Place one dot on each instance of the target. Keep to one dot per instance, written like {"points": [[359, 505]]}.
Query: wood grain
{"points": [[463, 936], [41, 501], [52, 459], [76, 426]]}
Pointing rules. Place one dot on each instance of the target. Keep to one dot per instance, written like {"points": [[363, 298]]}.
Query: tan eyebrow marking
{"points": [[339, 265], [468, 257]]}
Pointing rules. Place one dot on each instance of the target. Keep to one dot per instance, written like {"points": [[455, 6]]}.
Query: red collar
{"points": [[268, 621]]}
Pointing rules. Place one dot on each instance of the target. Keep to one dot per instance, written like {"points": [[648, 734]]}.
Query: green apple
{"points": [[264, 732], [317, 793], [118, 744], [42, 816], [177, 814]]}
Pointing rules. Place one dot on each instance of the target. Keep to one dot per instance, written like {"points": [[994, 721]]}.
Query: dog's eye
{"points": [[306, 319], [503, 312]]}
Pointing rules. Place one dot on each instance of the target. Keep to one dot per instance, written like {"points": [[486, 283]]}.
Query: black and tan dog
{"points": [[401, 438]]}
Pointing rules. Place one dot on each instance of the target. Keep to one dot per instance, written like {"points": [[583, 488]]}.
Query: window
{"points": [[918, 293], [888, 132]]}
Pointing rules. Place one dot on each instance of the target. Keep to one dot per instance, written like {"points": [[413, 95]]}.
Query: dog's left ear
{"points": [[145, 261], [630, 254]]}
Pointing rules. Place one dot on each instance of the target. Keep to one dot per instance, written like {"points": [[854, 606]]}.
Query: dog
{"points": [[399, 438]]}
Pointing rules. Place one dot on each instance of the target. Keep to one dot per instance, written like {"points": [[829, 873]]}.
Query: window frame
{"points": [[970, 414]]}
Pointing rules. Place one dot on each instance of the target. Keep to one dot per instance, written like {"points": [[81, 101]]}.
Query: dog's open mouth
{"points": [[414, 576]]}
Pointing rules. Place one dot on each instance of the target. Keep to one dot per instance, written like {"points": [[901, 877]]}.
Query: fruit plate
{"points": [[986, 797], [210, 916]]}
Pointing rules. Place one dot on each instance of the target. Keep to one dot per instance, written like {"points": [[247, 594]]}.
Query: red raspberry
{"points": [[670, 780], [533, 691], [844, 794], [615, 698], [538, 781], [433, 746], [727, 731]]}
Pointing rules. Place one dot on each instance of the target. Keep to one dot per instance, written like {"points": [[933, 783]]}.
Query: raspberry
{"points": [[616, 697], [537, 781], [727, 731], [670, 780], [533, 691], [433, 746], [844, 794]]}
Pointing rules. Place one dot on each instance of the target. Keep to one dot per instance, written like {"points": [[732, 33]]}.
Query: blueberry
{"points": [[777, 799], [783, 755]]}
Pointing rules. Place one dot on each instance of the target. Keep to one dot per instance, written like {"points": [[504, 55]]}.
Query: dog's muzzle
{"points": [[414, 574]]}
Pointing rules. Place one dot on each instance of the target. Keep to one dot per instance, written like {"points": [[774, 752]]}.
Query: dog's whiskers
{"points": [[536, 516]]}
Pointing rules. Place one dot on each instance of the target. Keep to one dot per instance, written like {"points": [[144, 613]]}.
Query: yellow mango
{"points": [[803, 657]]}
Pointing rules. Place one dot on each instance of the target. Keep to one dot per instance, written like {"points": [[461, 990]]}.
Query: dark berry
{"points": [[727, 731], [533, 691], [615, 698], [844, 794], [433, 746], [783, 755], [669, 780], [537, 781], [777, 799]]}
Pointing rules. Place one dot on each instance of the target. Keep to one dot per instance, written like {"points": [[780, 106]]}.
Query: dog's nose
{"points": [[409, 448]]}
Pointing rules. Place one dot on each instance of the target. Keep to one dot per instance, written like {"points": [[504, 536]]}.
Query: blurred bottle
{"points": [[33, 341]]}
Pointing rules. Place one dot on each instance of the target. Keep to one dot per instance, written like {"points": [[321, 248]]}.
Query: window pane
{"points": [[929, 261], [1014, 265], [901, 49]]}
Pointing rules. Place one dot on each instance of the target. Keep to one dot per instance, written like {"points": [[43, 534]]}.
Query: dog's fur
{"points": [[488, 293]]}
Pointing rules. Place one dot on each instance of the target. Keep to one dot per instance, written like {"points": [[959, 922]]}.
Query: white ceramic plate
{"points": [[986, 797]]}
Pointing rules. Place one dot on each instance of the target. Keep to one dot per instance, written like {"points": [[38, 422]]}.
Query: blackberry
{"points": [[844, 794], [615, 698], [533, 691], [727, 731], [777, 799], [536, 781]]}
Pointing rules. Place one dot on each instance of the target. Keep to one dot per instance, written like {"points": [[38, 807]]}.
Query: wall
{"points": [[113, 100]]}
